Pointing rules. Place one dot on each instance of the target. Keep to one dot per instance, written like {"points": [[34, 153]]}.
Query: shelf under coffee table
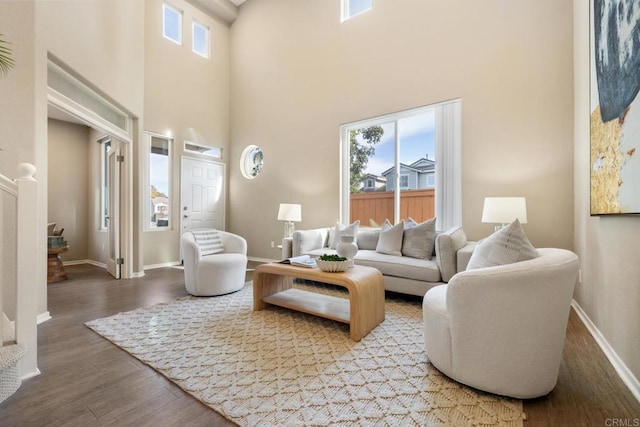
{"points": [[363, 311]]}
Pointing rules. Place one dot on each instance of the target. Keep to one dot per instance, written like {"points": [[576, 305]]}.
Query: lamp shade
{"points": [[503, 210], [290, 212]]}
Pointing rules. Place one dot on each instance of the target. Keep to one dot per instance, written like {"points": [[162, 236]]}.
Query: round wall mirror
{"points": [[251, 161]]}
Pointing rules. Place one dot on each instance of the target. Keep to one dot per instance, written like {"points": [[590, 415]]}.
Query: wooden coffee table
{"points": [[363, 311]]}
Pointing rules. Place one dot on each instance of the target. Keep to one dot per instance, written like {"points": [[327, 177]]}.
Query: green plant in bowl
{"points": [[327, 257]]}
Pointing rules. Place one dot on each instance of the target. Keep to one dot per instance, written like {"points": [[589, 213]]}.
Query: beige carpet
{"points": [[277, 367]]}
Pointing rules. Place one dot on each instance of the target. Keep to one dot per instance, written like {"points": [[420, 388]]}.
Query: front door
{"points": [[114, 161], [202, 196]]}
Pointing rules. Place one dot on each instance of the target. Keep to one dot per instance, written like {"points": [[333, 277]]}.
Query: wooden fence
{"points": [[373, 208]]}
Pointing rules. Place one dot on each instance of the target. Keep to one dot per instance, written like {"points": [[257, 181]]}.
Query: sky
{"points": [[417, 139], [159, 166]]}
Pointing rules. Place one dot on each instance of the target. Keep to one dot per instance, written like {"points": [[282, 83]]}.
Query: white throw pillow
{"points": [[505, 246], [209, 241], [344, 230], [390, 240], [418, 239]]}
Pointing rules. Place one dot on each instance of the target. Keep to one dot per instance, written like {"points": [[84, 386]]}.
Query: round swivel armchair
{"points": [[215, 274], [501, 329]]}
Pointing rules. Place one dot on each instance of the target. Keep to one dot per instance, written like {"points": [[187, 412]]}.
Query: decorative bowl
{"points": [[332, 266]]}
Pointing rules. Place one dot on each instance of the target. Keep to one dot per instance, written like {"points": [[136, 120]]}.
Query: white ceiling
{"points": [[238, 2]]}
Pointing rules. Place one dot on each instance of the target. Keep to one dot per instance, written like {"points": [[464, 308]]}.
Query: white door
{"points": [[113, 209], [202, 195]]}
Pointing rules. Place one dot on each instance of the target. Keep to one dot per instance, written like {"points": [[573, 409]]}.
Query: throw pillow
{"points": [[390, 240], [368, 239], [505, 246], [344, 230], [209, 241], [418, 239]]}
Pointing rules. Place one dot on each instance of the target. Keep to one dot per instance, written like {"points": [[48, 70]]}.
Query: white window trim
{"points": [[179, 12], [195, 24], [217, 150], [146, 182], [448, 142], [103, 177], [344, 10]]}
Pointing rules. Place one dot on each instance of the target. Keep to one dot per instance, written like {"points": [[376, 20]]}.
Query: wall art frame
{"points": [[614, 79]]}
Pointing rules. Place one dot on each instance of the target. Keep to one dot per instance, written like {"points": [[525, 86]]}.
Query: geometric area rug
{"points": [[278, 367]]}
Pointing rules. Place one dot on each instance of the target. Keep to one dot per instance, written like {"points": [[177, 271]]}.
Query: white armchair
{"points": [[502, 329], [214, 274]]}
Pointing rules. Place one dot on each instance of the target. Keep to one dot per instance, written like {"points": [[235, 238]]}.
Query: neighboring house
{"points": [[419, 174], [372, 182], [160, 211]]}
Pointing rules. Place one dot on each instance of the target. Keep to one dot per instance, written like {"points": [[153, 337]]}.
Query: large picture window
{"points": [[413, 157]]}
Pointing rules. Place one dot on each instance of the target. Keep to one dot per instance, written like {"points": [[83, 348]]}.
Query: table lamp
{"points": [[289, 213], [503, 210]]}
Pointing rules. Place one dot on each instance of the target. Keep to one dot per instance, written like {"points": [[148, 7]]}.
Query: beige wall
{"points": [[68, 183], [21, 124], [187, 97], [610, 292], [298, 73]]}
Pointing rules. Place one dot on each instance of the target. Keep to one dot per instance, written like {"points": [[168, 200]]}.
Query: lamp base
{"points": [[289, 228]]}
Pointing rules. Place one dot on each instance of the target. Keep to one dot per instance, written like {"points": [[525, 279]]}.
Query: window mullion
{"points": [[396, 193]]}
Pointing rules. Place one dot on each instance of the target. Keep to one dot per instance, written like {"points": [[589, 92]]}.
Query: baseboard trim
{"points": [[43, 317], [137, 274], [31, 374], [618, 364], [162, 265], [85, 261]]}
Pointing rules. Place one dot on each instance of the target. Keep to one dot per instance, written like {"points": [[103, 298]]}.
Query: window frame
{"points": [[146, 170], [344, 10], [448, 172], [202, 149], [195, 23], [104, 142], [166, 6], [403, 175]]}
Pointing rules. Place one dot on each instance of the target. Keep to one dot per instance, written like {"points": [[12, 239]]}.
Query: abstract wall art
{"points": [[615, 106]]}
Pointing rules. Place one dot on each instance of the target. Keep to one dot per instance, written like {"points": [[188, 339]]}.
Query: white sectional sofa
{"points": [[402, 274]]}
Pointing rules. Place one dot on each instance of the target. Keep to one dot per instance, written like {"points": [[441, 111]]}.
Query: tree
{"points": [[156, 193], [6, 62], [360, 152]]}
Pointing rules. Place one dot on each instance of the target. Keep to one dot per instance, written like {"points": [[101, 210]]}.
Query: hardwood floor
{"points": [[87, 381]]}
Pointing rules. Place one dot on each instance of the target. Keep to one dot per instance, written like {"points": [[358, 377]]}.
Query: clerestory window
{"points": [[172, 23], [200, 39], [351, 8]]}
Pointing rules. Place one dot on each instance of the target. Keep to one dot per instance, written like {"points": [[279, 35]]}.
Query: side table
{"points": [[55, 269]]}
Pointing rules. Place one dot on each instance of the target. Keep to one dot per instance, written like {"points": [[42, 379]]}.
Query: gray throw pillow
{"points": [[505, 246], [390, 240], [418, 240], [368, 239]]}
